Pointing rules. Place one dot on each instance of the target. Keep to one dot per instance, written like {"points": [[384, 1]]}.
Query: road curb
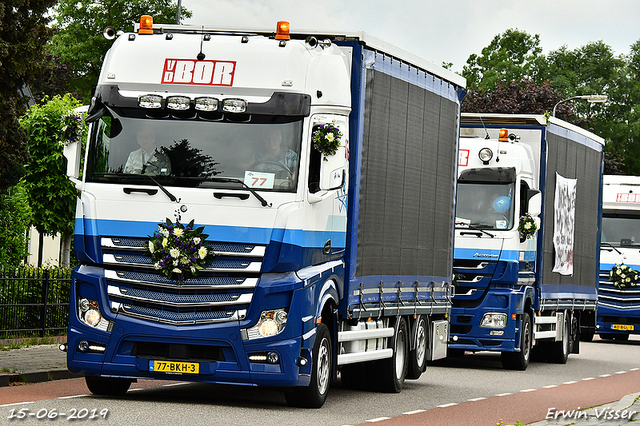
{"points": [[9, 379]]}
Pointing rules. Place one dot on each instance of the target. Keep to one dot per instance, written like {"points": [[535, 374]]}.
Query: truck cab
{"points": [[619, 302], [490, 255]]}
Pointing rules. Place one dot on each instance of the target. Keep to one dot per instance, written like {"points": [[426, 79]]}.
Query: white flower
{"points": [[202, 252], [164, 232], [174, 252], [330, 137], [152, 247], [527, 225], [196, 240], [165, 242], [157, 265], [178, 232], [193, 269], [176, 271], [184, 260]]}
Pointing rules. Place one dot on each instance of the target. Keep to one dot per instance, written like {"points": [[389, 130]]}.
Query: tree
{"points": [[510, 56], [79, 25], [15, 219], [513, 97], [23, 33], [52, 196]]}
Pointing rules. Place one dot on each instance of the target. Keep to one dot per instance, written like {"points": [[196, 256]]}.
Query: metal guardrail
{"points": [[34, 302]]}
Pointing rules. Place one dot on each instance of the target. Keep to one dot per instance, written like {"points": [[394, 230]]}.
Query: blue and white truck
{"points": [[267, 208], [618, 295], [526, 244]]}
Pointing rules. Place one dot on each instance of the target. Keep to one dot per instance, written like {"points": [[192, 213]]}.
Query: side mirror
{"points": [[535, 204], [72, 154], [333, 170]]}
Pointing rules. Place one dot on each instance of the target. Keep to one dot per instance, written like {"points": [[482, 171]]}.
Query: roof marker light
{"points": [[503, 135], [150, 101], [234, 105], [178, 103], [146, 25], [206, 104], [282, 30]]}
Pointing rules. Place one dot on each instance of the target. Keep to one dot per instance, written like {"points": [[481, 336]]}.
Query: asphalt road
{"points": [[472, 390]]}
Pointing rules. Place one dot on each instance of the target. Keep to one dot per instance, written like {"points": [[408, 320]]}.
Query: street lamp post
{"points": [[588, 98]]}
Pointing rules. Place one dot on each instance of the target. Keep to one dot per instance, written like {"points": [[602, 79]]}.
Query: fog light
{"points": [[83, 346], [302, 361], [273, 358], [496, 332]]}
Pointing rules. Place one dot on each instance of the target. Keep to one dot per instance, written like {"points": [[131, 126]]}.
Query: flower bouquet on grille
{"points": [[179, 251], [622, 276], [326, 138], [527, 226]]}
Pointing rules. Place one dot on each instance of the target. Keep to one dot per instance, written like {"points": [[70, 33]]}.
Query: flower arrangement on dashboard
{"points": [[179, 251], [622, 276], [326, 138], [527, 226]]}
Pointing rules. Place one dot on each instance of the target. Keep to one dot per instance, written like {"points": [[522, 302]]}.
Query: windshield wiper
{"points": [[610, 245], [475, 228], [235, 180], [158, 184], [162, 188]]}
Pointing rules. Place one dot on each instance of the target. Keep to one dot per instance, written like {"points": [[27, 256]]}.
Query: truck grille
{"points": [[222, 292], [473, 278], [610, 295]]}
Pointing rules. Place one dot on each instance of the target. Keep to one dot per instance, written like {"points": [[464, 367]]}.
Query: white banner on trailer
{"points": [[564, 224]]}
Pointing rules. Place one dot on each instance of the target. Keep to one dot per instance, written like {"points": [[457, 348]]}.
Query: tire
{"points": [[314, 395], [560, 350], [107, 385], [520, 360], [393, 371], [418, 356]]}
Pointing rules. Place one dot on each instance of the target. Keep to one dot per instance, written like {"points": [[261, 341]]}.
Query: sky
{"points": [[441, 31]]}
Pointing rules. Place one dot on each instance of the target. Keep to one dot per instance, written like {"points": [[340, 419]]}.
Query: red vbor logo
{"points": [[463, 157], [625, 197], [190, 71]]}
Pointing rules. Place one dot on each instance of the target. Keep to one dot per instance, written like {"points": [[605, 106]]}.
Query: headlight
{"points": [[89, 313], [271, 322], [485, 155], [494, 320]]}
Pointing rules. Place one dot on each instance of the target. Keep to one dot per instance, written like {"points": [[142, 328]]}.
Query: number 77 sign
{"points": [[259, 180]]}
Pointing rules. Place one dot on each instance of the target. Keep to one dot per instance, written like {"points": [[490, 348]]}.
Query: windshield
{"points": [[485, 205], [620, 231], [262, 151]]}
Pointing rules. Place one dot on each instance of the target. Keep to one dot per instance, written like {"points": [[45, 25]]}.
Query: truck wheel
{"points": [[107, 385], [560, 350], [520, 360], [314, 395], [394, 370], [418, 356]]}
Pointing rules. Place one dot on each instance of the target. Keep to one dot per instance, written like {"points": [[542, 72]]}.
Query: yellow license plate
{"points": [[174, 367], [622, 327]]}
